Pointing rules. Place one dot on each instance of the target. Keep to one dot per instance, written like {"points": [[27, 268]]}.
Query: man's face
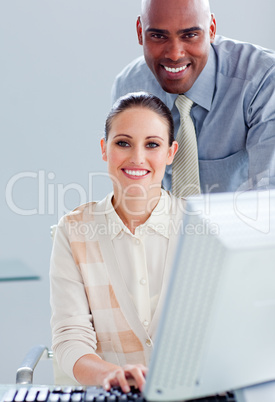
{"points": [[176, 37]]}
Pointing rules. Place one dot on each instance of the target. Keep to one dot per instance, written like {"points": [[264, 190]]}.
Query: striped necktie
{"points": [[185, 168]]}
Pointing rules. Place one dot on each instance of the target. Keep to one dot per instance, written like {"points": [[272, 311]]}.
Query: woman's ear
{"points": [[172, 152], [103, 149]]}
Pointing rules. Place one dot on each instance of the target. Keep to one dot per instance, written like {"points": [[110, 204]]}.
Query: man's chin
{"points": [[173, 88]]}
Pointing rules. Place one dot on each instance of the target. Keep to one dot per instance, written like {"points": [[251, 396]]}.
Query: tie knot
{"points": [[184, 105]]}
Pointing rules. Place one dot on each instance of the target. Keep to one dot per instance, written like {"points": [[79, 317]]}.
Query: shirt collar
{"points": [[115, 224], [202, 91], [158, 222]]}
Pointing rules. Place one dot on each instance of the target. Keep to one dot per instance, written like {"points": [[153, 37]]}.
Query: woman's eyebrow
{"points": [[122, 135], [154, 136], [149, 137]]}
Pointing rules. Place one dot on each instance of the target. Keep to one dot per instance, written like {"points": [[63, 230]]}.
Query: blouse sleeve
{"points": [[73, 334]]}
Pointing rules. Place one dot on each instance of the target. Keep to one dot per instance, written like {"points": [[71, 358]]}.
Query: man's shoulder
{"points": [[236, 45], [136, 76], [242, 54], [135, 68]]}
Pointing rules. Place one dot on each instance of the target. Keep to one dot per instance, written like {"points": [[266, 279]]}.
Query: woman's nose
{"points": [[137, 156]]}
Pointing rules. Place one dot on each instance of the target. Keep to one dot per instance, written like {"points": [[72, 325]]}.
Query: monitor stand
{"points": [[264, 392]]}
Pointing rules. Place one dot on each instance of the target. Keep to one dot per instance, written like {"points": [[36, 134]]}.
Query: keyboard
{"points": [[86, 394]]}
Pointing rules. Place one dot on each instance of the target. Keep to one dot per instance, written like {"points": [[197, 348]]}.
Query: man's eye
{"points": [[189, 35], [157, 36], [122, 144], [152, 145]]}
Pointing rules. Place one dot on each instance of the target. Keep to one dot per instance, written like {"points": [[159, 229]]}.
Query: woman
{"points": [[111, 259]]}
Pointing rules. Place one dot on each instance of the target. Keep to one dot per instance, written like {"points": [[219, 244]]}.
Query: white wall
{"points": [[248, 21], [58, 62]]}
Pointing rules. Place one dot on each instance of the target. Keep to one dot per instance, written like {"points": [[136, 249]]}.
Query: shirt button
{"points": [[146, 323], [148, 343], [142, 281], [137, 242]]}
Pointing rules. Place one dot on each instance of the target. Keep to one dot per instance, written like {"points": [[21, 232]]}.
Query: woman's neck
{"points": [[134, 211]]}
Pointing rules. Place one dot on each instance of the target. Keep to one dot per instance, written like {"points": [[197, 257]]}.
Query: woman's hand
{"points": [[126, 376], [92, 370]]}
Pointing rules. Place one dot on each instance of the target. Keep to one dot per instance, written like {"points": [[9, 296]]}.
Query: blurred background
{"points": [[58, 60]]}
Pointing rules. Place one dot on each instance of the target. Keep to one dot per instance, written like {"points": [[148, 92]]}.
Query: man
{"points": [[232, 85]]}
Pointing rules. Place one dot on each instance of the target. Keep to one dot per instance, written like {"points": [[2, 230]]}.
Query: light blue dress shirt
{"points": [[233, 113]]}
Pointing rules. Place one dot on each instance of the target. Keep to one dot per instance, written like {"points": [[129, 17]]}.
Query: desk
{"points": [[16, 270]]}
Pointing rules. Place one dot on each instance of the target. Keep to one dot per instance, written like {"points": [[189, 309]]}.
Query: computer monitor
{"points": [[217, 330]]}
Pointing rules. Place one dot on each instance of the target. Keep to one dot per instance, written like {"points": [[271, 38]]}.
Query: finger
{"points": [[116, 378], [122, 381], [138, 373], [110, 381]]}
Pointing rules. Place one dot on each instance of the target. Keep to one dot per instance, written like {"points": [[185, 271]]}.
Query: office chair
{"points": [[24, 374]]}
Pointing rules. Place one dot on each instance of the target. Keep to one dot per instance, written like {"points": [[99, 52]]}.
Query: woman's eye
{"points": [[152, 145], [122, 144]]}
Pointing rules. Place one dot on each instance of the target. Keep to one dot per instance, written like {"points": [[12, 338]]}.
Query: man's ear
{"points": [[139, 31], [103, 149], [212, 29]]}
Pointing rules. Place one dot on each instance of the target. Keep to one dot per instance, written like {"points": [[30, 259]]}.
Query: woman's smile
{"points": [[136, 173]]}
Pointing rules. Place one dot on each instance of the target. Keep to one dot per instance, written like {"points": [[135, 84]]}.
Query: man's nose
{"points": [[174, 50]]}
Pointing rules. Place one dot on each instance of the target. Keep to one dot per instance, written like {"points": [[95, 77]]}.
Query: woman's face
{"points": [[137, 152]]}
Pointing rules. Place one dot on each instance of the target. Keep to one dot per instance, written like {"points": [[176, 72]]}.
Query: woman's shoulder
{"points": [[81, 213], [87, 212]]}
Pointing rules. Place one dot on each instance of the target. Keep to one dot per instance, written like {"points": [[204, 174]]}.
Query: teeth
{"points": [[136, 172], [175, 70]]}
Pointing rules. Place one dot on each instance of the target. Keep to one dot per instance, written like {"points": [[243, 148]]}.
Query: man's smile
{"points": [[175, 70]]}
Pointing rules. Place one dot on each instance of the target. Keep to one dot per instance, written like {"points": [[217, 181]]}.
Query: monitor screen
{"points": [[217, 330]]}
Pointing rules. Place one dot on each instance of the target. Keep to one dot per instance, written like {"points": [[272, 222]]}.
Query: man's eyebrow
{"points": [[188, 30], [155, 30], [179, 32]]}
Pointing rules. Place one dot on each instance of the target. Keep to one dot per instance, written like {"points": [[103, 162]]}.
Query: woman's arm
{"points": [[73, 334], [91, 370]]}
